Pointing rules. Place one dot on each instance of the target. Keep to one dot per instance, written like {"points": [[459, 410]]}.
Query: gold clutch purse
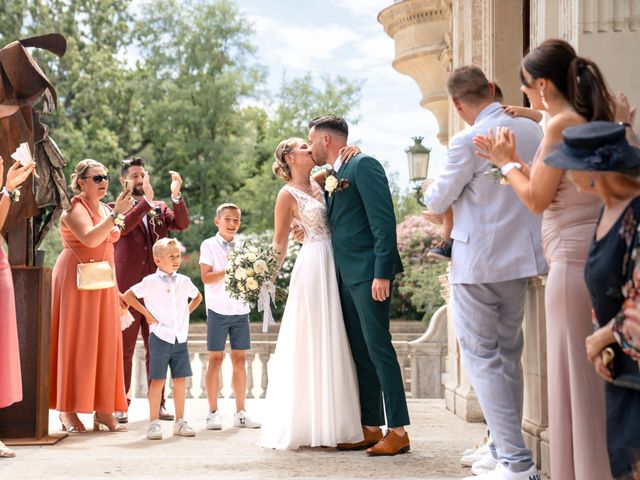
{"points": [[95, 276]]}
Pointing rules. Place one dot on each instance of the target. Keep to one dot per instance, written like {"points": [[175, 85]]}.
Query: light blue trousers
{"points": [[488, 323]]}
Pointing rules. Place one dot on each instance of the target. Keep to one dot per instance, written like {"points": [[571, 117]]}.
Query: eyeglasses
{"points": [[98, 179]]}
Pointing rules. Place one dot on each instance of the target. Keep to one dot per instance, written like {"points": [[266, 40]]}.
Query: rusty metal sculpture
{"points": [[25, 94]]}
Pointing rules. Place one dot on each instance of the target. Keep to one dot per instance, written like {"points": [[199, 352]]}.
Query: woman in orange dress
{"points": [[11, 378], [86, 372]]}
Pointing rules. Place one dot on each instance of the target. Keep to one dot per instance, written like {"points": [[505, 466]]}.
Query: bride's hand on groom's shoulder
{"points": [[348, 152], [298, 233]]}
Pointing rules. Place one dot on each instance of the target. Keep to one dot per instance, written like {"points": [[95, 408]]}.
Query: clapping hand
{"points": [[16, 174], [498, 150], [176, 183], [147, 189], [624, 112]]}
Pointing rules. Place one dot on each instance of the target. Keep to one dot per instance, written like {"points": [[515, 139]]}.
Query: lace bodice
{"points": [[312, 214]]}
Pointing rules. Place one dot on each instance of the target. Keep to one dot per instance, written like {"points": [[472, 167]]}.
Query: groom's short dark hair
{"points": [[337, 125]]}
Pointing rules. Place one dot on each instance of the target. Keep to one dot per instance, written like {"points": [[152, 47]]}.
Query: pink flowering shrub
{"points": [[417, 291]]}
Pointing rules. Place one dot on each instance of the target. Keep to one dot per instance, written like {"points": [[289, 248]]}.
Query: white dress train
{"points": [[312, 398]]}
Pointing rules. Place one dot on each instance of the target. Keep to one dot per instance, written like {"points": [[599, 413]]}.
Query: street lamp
{"points": [[418, 159]]}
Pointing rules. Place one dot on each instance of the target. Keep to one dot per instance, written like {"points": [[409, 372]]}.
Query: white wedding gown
{"points": [[312, 398]]}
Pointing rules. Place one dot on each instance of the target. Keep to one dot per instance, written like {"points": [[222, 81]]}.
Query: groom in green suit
{"points": [[366, 254]]}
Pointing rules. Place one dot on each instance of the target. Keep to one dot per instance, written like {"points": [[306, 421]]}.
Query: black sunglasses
{"points": [[98, 179]]}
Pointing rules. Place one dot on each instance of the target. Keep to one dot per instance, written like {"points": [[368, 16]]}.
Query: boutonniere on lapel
{"points": [[332, 184], [154, 216]]}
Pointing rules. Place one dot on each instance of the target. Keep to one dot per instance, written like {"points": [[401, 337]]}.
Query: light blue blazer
{"points": [[496, 237]]}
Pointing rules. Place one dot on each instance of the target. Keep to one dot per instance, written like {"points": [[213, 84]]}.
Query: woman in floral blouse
{"points": [[601, 161]]}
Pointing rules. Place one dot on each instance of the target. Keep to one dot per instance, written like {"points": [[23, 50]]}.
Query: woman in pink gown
{"points": [[11, 378]]}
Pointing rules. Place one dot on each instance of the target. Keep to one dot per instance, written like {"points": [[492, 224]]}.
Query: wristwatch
{"points": [[506, 168], [177, 198], [626, 124]]}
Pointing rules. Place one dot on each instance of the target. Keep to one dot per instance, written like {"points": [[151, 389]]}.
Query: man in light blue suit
{"points": [[496, 248]]}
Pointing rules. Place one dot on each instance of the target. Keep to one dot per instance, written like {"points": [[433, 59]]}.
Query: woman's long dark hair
{"points": [[578, 79]]}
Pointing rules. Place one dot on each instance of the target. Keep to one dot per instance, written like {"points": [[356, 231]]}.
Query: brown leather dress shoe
{"points": [[391, 444], [164, 414], [370, 439]]}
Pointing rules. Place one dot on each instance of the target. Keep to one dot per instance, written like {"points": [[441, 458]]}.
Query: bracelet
{"points": [[14, 196], [177, 198], [506, 168], [118, 219]]}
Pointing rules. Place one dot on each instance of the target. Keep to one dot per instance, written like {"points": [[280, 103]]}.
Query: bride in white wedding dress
{"points": [[312, 397]]}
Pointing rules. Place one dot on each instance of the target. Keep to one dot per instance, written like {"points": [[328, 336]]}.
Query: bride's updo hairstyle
{"points": [[578, 79], [285, 147]]}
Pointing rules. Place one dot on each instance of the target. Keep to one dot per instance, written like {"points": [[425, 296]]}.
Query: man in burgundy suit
{"points": [[148, 221]]}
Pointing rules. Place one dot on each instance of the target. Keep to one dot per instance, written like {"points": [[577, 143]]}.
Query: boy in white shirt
{"points": [[226, 317], [167, 308]]}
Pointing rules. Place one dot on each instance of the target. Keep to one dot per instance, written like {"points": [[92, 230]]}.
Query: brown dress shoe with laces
{"points": [[391, 444], [370, 439]]}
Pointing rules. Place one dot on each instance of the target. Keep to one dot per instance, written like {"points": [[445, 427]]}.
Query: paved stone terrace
{"points": [[437, 438]]}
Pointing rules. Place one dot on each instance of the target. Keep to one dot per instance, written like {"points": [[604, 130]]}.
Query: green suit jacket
{"points": [[363, 223]]}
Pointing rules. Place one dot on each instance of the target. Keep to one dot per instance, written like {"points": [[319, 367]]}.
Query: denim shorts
{"points": [[219, 327], [164, 354]]}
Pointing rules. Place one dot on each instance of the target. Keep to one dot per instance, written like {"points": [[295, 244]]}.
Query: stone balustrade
{"points": [[421, 361]]}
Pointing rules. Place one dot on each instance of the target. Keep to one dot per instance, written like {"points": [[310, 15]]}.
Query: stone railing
{"points": [[422, 362]]}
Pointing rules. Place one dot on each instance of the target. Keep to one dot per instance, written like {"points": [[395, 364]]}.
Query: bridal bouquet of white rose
{"points": [[248, 278]]}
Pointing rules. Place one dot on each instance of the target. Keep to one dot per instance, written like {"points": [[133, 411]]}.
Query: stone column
{"points": [[535, 418], [421, 32]]}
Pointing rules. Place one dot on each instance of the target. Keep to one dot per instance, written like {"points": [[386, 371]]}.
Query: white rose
{"points": [[251, 257], [330, 183], [260, 267], [238, 260], [253, 249], [241, 273], [252, 284], [250, 272]]}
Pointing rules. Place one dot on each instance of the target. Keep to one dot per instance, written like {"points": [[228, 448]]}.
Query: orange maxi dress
{"points": [[86, 371], [10, 376]]}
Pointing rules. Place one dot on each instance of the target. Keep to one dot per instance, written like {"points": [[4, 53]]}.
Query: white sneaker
{"points": [[475, 455], [214, 421], [182, 429], [502, 472], [469, 451], [486, 463], [241, 419], [154, 430]]}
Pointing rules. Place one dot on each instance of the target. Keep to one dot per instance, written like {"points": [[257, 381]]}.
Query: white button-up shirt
{"points": [[214, 252], [167, 299]]}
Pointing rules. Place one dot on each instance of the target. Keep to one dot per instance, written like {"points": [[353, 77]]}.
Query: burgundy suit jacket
{"points": [[133, 251]]}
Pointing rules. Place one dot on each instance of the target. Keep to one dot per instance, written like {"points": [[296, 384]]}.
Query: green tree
{"points": [[196, 71]]}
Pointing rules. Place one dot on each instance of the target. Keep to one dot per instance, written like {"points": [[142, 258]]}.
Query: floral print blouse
{"points": [[612, 276]]}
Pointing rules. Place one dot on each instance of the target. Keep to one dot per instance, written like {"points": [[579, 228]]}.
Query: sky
{"points": [[343, 37]]}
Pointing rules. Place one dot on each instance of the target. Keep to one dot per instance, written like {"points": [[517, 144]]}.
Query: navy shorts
{"points": [[219, 327], [164, 354]]}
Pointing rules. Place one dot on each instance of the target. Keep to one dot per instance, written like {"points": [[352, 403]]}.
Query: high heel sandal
{"points": [[6, 452], [114, 427], [72, 427]]}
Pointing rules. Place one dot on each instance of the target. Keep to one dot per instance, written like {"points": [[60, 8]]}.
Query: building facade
{"points": [[433, 36]]}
